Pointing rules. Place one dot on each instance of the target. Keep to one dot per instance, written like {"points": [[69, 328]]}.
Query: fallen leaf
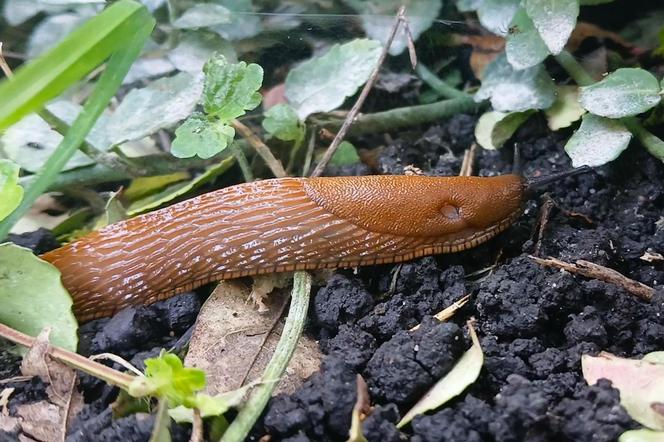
{"points": [[464, 373], [41, 420], [641, 384], [229, 334], [584, 30], [485, 49], [651, 256], [361, 409]]}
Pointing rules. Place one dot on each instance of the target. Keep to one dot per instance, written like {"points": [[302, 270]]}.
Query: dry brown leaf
{"points": [[9, 424], [651, 256], [230, 332], [485, 49], [4, 400], [585, 30], [41, 420], [62, 381]]}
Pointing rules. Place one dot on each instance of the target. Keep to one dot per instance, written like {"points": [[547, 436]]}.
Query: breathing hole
{"points": [[450, 212]]}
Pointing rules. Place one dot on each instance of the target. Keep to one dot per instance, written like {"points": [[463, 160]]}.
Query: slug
{"points": [[282, 225]]}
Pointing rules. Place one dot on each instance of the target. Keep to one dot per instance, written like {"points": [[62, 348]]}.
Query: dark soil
{"points": [[534, 322]]}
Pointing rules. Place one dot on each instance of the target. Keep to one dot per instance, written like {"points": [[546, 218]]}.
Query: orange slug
{"points": [[282, 225]]}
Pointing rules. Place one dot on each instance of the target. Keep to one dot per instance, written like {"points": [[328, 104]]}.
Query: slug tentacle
{"points": [[282, 225]]}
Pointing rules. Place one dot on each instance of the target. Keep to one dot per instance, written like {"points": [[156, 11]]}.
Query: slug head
{"points": [[418, 206]]}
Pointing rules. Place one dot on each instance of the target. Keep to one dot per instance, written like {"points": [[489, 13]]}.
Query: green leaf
{"points": [[202, 15], [554, 20], [623, 93], [566, 109], [160, 105], [231, 89], [523, 46], [166, 377], [463, 374], [32, 297], [202, 137], [11, 193], [495, 128], [178, 189], [378, 18], [656, 357], [642, 435], [516, 90], [345, 155], [323, 83], [195, 49], [244, 22], [282, 122], [496, 15], [210, 405], [641, 384], [83, 50], [468, 5], [584, 147]]}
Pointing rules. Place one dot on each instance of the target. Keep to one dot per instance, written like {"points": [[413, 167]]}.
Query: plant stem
{"points": [[437, 84], [242, 161], [71, 359], [253, 408], [108, 84], [261, 149], [574, 69], [350, 118], [407, 116]]}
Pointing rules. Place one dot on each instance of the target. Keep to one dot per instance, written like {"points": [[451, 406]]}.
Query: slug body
{"points": [[282, 225]]}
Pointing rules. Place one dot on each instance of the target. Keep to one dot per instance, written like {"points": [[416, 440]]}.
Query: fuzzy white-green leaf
{"points": [[642, 435], [322, 84], [198, 136], [496, 15], [598, 141], [495, 128], [282, 122], [202, 15], [554, 20], [516, 90], [378, 19], [623, 93], [566, 109], [523, 45]]}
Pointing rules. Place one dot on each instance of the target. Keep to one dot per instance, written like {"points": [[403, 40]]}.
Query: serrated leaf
{"points": [[641, 384], [202, 15], [195, 49], [566, 109], [554, 20], [378, 19], [495, 128], [524, 46], [231, 89], [202, 137], [166, 377], [598, 141], [642, 435], [321, 84], [496, 15], [623, 93], [11, 193], [159, 105], [32, 297], [464, 373], [516, 90], [281, 121]]}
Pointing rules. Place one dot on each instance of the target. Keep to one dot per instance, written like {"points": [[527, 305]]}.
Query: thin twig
{"points": [[261, 149], [310, 152], [329, 153], [596, 271], [449, 311], [3, 64], [71, 359], [468, 163]]}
